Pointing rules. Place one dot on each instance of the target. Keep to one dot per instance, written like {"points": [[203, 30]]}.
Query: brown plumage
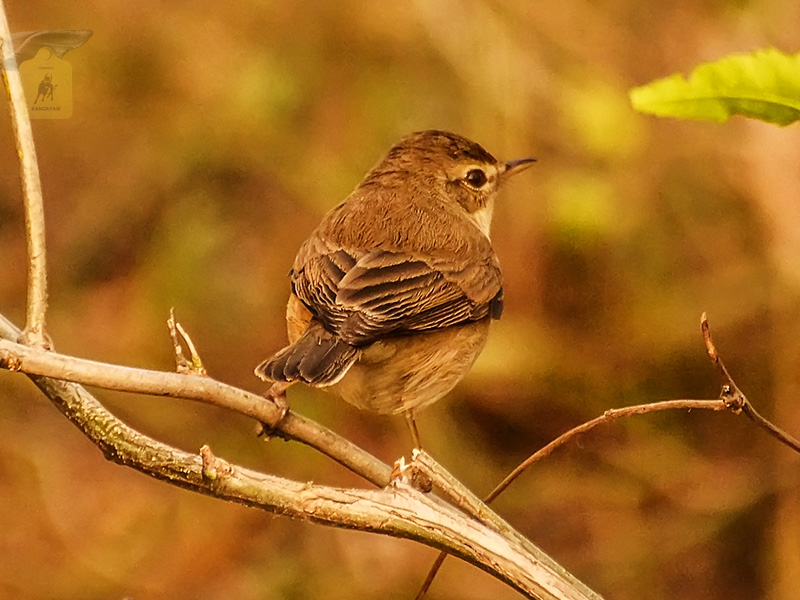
{"points": [[393, 292]]}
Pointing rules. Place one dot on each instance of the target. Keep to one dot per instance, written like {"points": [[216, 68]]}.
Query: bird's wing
{"points": [[362, 296]]}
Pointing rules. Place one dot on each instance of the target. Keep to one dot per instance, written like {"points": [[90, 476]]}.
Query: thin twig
{"points": [[178, 333], [196, 364], [608, 416], [432, 572], [34, 332], [736, 399], [181, 364], [770, 427]]}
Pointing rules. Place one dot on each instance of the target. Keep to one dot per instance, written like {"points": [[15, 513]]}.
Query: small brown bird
{"points": [[393, 292]]}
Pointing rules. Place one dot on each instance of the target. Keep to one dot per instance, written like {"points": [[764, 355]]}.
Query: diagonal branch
{"points": [[455, 491], [33, 361]]}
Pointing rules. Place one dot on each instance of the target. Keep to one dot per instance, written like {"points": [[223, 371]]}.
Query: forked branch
{"points": [[397, 510], [735, 399]]}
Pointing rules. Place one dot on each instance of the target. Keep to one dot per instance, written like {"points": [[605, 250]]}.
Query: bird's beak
{"points": [[517, 166]]}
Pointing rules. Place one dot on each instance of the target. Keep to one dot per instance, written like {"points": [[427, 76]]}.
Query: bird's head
{"points": [[461, 171]]}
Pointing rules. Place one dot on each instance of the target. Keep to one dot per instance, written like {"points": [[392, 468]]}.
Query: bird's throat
{"points": [[482, 218]]}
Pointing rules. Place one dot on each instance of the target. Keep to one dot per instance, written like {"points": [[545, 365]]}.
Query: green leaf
{"points": [[764, 84]]}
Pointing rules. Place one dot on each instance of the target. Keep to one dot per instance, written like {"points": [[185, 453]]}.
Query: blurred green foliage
{"points": [[207, 140]]}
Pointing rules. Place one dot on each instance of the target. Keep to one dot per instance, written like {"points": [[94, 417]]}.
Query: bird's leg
{"points": [[277, 395], [413, 476], [412, 427]]}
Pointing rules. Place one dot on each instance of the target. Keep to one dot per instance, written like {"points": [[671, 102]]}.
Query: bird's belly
{"points": [[409, 372]]}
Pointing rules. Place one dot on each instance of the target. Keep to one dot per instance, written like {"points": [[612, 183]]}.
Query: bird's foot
{"points": [[277, 395], [407, 473]]}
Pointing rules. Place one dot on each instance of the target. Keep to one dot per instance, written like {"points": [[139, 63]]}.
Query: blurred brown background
{"points": [[209, 138]]}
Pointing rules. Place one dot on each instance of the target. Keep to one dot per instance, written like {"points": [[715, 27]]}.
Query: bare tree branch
{"points": [[31, 190], [33, 361], [397, 510]]}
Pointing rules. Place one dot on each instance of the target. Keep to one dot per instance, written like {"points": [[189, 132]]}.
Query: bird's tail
{"points": [[317, 358]]}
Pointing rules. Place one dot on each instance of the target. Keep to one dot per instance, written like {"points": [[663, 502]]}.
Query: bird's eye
{"points": [[476, 178]]}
